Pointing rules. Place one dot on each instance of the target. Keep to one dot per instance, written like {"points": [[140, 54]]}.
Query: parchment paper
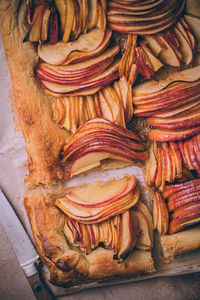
{"points": [[13, 170]]}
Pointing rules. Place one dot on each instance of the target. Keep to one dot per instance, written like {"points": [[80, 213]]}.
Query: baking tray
{"points": [[13, 163]]}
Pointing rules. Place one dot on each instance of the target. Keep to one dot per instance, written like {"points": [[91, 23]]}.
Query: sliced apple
{"points": [[177, 158], [169, 175], [156, 63], [159, 172], [185, 48], [58, 53], [153, 44], [162, 213], [151, 166], [92, 160], [161, 135]]}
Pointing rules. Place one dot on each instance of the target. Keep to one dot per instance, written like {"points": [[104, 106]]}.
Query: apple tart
{"points": [[75, 99], [92, 231]]}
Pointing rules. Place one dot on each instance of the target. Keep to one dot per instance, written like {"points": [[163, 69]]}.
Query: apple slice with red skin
{"points": [[171, 189], [159, 172], [178, 159], [174, 169], [184, 193], [88, 215], [151, 166], [92, 160], [196, 147], [185, 109], [189, 33], [164, 169], [169, 175], [162, 135], [177, 227], [184, 216], [143, 63], [105, 125], [193, 23], [193, 156], [180, 145], [82, 67], [107, 146], [144, 209], [170, 54], [188, 159], [99, 194], [182, 29], [58, 53], [155, 62], [171, 92], [161, 213], [181, 201], [153, 87], [145, 238], [143, 241], [105, 78], [150, 110], [128, 235], [185, 47]]}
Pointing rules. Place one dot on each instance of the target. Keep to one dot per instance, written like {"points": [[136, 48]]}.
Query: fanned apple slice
{"points": [[156, 63], [162, 135], [162, 213], [151, 166], [184, 216], [58, 53], [124, 59], [186, 149], [153, 44], [127, 236], [106, 108], [169, 55], [34, 33], [97, 212], [93, 13], [70, 14], [177, 158], [98, 193], [193, 156], [194, 24], [158, 180], [62, 9], [164, 169], [185, 48], [152, 86], [92, 160], [169, 175], [144, 240]]}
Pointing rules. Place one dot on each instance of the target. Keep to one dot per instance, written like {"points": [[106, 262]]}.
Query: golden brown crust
{"points": [[67, 265], [43, 137], [180, 242]]}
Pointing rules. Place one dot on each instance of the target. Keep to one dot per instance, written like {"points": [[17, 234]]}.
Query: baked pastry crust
{"points": [[69, 266], [43, 137], [44, 140], [180, 242]]}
